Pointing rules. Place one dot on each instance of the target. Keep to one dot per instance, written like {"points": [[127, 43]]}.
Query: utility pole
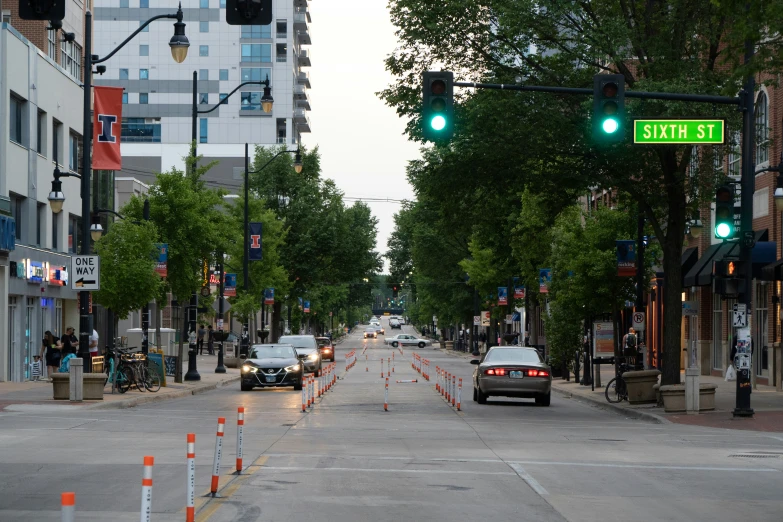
{"points": [[639, 305]]}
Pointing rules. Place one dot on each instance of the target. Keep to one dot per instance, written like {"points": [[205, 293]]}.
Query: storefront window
{"points": [[760, 329], [29, 339], [717, 332], [13, 333]]}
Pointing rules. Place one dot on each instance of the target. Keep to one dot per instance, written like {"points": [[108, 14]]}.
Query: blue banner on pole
{"points": [[307, 307], [626, 257], [502, 295], [544, 280], [269, 296], [255, 252], [229, 285]]}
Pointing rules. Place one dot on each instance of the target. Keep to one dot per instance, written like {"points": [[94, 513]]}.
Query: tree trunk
{"points": [[274, 333]]}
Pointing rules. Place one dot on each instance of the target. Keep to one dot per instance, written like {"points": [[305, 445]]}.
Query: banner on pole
{"points": [[229, 285], [519, 292], [502, 295], [161, 267], [255, 252], [106, 128], [626, 257], [307, 307], [269, 296], [544, 280]]}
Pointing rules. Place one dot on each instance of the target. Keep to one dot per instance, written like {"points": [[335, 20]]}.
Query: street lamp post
{"points": [[179, 49], [220, 368]]}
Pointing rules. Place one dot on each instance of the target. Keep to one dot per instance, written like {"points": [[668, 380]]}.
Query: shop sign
{"points": [[37, 271], [58, 275]]}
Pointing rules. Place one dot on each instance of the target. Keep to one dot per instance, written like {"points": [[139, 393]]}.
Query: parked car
{"points": [[326, 348], [395, 323], [370, 332], [511, 371], [407, 340], [271, 365], [307, 350]]}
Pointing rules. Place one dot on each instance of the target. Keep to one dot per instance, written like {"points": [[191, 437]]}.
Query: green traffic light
{"points": [[438, 122], [610, 125], [723, 230]]}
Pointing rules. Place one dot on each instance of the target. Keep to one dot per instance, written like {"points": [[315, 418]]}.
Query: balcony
{"points": [[301, 98], [301, 19], [302, 4], [304, 37], [304, 58], [301, 120], [303, 78]]}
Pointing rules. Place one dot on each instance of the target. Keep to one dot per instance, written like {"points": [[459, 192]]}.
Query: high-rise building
{"points": [[156, 128]]}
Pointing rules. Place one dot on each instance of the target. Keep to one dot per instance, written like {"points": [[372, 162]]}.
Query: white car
{"points": [[407, 340]]}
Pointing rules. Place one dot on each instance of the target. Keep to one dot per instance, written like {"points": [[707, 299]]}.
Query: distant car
{"points": [[511, 371], [395, 323], [326, 348], [370, 333], [407, 340], [306, 349], [271, 365]]}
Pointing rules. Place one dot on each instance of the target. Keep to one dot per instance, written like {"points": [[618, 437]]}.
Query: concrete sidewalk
{"points": [[17, 396]]}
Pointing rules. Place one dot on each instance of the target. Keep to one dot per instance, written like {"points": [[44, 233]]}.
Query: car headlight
{"points": [[312, 357], [249, 369], [293, 368]]}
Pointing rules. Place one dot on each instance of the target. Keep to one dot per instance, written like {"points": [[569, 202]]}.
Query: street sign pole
{"points": [[639, 305]]}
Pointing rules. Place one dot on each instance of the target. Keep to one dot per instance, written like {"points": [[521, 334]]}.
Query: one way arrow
{"points": [[82, 282]]}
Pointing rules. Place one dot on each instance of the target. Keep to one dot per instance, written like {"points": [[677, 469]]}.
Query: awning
{"points": [[764, 252], [689, 258], [773, 271]]}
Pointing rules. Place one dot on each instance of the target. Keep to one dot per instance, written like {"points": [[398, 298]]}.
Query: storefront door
{"points": [[761, 351]]}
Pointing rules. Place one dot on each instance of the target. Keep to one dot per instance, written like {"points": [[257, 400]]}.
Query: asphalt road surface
{"points": [[347, 460]]}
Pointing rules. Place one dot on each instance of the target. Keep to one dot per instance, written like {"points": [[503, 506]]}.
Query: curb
{"points": [[150, 397], [614, 408]]}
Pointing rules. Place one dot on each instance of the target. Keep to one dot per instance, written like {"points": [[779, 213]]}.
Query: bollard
{"points": [[240, 433], [304, 393], [310, 391], [190, 486], [386, 396], [393, 365], [459, 395], [453, 389], [218, 454], [318, 386], [367, 363], [388, 367], [68, 506], [381, 367], [76, 380], [437, 378], [146, 490], [410, 380]]}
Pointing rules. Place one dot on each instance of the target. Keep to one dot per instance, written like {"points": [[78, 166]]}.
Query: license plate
{"points": [[271, 378], [516, 374]]}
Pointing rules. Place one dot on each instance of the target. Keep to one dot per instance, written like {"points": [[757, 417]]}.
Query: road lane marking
{"points": [[206, 506], [371, 470], [640, 466], [524, 475]]}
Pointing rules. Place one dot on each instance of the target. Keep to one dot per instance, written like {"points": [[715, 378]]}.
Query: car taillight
{"points": [[495, 371], [537, 373]]}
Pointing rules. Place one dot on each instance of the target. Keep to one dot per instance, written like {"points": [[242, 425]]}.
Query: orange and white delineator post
{"points": [[318, 385], [146, 490], [240, 435], [388, 367], [381, 367], [454, 389], [386, 396], [190, 485], [437, 378], [459, 395], [367, 363], [68, 506], [392, 362], [304, 395], [218, 454]]}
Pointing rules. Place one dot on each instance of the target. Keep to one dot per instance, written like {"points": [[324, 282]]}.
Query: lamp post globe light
{"points": [[179, 50]]}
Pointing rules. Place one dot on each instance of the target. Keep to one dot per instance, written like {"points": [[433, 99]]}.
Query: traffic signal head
{"points": [[394, 291], [608, 108], [438, 105], [249, 12], [724, 212], [52, 10]]}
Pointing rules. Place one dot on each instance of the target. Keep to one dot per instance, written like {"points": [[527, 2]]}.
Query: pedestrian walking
{"points": [[94, 352], [210, 340], [35, 368], [51, 352], [200, 340]]}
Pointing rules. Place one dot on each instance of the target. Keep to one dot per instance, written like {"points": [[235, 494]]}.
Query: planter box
{"points": [[673, 396], [93, 386], [640, 386], [449, 345]]}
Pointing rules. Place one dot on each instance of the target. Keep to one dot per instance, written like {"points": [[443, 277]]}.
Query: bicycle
{"points": [[134, 370], [616, 389]]}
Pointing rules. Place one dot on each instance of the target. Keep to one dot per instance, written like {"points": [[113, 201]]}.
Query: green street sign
{"points": [[674, 132]]}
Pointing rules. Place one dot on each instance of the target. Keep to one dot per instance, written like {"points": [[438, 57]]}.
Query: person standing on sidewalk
{"points": [[210, 340], [51, 353], [200, 340]]}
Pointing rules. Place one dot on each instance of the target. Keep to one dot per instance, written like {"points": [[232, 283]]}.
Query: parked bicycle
{"points": [[134, 369], [616, 389]]}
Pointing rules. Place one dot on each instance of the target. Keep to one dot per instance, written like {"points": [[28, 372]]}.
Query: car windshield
{"points": [[272, 352], [514, 355], [371, 330], [299, 341], [323, 342], [303, 350]]}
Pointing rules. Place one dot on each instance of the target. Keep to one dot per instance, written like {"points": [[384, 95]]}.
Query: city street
{"points": [[348, 460]]}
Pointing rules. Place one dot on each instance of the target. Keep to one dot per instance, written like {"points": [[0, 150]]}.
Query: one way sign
{"points": [[85, 273]]}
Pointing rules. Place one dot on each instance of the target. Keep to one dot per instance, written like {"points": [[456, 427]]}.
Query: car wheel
{"points": [[395, 344], [481, 397], [543, 400], [475, 394], [421, 344], [245, 387]]}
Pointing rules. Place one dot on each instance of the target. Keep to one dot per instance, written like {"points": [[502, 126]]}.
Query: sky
{"points": [[361, 140]]}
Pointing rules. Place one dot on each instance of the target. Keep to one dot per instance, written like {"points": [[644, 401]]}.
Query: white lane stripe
{"points": [[774, 437], [433, 471], [524, 475], [640, 466]]}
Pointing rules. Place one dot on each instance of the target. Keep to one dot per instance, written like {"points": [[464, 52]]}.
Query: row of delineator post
{"points": [[421, 365], [314, 387], [449, 386]]}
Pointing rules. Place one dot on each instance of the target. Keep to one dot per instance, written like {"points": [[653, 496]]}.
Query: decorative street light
{"points": [[179, 49]]}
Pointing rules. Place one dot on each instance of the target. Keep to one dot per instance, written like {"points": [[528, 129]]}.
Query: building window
{"points": [[203, 130], [203, 74], [251, 101], [55, 231], [762, 129], [144, 74], [256, 31], [222, 4], [124, 74], [144, 50], [40, 133], [75, 152], [735, 155], [125, 98], [17, 202], [73, 233], [223, 75], [203, 50], [40, 224], [203, 27], [223, 98], [72, 58], [16, 119], [144, 4], [256, 74], [6, 17], [124, 3], [256, 52], [204, 4], [144, 98], [203, 98], [51, 37], [282, 28], [761, 329], [57, 149], [146, 27], [141, 130]]}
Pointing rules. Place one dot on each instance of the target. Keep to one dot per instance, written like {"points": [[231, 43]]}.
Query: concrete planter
{"points": [[449, 345], [640, 386], [673, 396], [93, 386]]}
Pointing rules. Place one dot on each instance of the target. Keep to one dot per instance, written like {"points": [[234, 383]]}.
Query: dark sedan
{"points": [[511, 371], [271, 365]]}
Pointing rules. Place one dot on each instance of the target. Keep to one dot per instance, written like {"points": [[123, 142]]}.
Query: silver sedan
{"points": [[407, 340], [511, 371]]}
